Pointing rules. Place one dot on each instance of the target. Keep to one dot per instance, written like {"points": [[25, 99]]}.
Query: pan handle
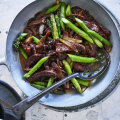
{"points": [[22, 106], [3, 61]]}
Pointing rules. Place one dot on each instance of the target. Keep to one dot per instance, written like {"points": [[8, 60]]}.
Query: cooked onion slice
{"points": [[70, 45], [72, 39], [41, 29], [29, 39]]}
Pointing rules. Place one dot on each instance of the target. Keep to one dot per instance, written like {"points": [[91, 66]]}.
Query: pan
{"points": [[70, 101]]}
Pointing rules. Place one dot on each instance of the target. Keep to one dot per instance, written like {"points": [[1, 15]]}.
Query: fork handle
{"points": [[22, 106]]}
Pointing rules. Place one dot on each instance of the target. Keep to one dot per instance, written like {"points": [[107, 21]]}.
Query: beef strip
{"points": [[27, 49], [44, 73], [62, 48], [41, 48], [46, 36], [81, 48], [91, 52], [42, 20], [32, 60], [78, 67]]}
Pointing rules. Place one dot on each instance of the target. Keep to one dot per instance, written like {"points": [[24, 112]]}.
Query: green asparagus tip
{"points": [[24, 34], [26, 76], [65, 20]]}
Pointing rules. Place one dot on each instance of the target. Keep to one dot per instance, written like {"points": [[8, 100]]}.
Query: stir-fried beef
{"points": [[62, 48], [32, 60], [78, 67], [69, 42], [44, 73], [42, 20]]}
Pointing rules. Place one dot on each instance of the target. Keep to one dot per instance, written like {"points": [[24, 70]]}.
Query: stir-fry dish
{"points": [[57, 42]]}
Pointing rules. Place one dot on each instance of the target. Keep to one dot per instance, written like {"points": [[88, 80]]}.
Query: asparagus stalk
{"points": [[81, 59], [74, 81], [77, 30], [40, 83], [38, 86], [68, 10], [83, 82], [50, 81], [62, 15], [23, 53], [58, 25], [16, 43], [36, 67], [54, 26], [93, 34], [36, 40], [50, 26], [53, 9]]}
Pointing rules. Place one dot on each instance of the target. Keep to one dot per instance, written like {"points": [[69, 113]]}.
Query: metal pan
{"points": [[100, 89]]}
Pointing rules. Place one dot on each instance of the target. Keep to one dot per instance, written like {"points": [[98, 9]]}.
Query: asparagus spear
{"points": [[74, 81], [36, 40], [38, 86], [54, 26], [37, 66], [16, 43], [50, 26], [62, 15], [53, 9], [23, 53], [40, 83], [77, 30], [50, 81], [93, 33], [81, 59], [58, 25], [83, 82], [68, 10]]}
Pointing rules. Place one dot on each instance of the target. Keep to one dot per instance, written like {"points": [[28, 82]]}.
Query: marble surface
{"points": [[107, 110]]}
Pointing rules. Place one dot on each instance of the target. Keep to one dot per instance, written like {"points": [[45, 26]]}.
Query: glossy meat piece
{"points": [[42, 20], [27, 49], [76, 10], [62, 56], [81, 48], [32, 60], [104, 30], [87, 16], [41, 48], [58, 72], [92, 26], [62, 48], [84, 13], [76, 36], [91, 50], [27, 30], [46, 36], [44, 73], [78, 67], [108, 48]]}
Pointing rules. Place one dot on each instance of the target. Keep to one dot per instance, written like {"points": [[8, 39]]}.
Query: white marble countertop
{"points": [[107, 110]]}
